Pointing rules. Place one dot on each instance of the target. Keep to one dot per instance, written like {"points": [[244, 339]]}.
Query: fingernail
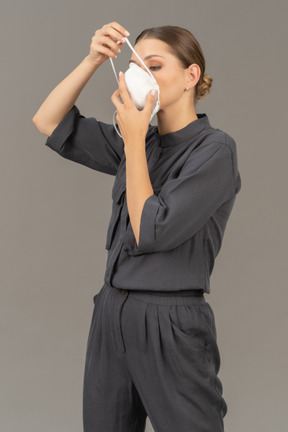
{"points": [[153, 92], [120, 73], [127, 33]]}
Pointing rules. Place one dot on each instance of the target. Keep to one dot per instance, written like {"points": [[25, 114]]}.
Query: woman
{"points": [[152, 346]]}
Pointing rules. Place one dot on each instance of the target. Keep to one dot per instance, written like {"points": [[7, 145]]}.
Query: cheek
{"points": [[170, 88]]}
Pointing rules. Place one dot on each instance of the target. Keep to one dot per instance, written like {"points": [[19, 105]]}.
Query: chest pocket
{"points": [[118, 192]]}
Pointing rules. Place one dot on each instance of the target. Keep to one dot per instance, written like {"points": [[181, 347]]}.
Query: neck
{"points": [[172, 119]]}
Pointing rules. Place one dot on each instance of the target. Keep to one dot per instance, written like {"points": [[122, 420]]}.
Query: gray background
{"points": [[54, 212]]}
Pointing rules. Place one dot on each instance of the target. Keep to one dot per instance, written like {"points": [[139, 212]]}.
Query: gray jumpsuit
{"points": [[152, 345]]}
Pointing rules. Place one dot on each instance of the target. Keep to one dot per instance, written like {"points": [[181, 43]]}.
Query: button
{"points": [[123, 292]]}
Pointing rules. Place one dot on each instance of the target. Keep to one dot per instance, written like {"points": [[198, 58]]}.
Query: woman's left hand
{"points": [[133, 123]]}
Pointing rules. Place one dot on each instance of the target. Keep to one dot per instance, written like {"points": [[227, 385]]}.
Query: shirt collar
{"points": [[187, 133]]}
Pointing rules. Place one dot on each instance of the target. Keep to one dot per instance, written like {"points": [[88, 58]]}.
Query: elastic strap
{"points": [[129, 44]]}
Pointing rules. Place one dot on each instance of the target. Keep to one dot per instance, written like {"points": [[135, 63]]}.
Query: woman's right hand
{"points": [[104, 42]]}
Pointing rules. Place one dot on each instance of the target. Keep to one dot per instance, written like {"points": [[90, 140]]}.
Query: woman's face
{"points": [[166, 69]]}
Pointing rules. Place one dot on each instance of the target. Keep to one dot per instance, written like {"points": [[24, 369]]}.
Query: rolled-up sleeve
{"points": [[184, 204], [87, 141]]}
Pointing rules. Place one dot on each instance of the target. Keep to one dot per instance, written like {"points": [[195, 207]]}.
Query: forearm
{"points": [[62, 98], [138, 184]]}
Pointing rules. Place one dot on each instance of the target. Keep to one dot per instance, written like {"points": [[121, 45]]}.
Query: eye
{"points": [[155, 67]]}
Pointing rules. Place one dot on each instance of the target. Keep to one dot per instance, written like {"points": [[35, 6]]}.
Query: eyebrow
{"points": [[148, 57]]}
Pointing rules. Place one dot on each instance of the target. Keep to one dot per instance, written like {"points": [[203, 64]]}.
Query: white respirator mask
{"points": [[139, 84]]}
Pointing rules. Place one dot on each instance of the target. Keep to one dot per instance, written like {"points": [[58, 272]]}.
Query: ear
{"points": [[193, 75]]}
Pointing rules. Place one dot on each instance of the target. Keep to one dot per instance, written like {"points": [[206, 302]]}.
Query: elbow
{"points": [[44, 129], [36, 119], [36, 122]]}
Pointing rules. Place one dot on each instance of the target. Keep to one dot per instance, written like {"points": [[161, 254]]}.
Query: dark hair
{"points": [[183, 45]]}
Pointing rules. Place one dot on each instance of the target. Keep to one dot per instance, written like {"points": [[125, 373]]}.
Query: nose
{"points": [[141, 66]]}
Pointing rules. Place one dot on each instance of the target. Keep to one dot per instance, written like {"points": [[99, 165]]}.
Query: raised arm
{"points": [[63, 97], [84, 140]]}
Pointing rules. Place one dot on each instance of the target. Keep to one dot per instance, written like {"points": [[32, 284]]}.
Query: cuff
{"points": [[62, 130]]}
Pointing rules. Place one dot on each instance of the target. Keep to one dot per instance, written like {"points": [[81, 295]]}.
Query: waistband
{"points": [[182, 297], [194, 292]]}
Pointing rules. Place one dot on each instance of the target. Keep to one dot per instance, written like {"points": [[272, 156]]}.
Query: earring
{"points": [[187, 88]]}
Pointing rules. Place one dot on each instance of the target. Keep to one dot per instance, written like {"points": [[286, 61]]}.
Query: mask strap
{"points": [[112, 64], [115, 112], [114, 123], [140, 59], [153, 78]]}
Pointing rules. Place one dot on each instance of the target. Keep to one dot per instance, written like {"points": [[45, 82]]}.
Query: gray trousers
{"points": [[152, 354]]}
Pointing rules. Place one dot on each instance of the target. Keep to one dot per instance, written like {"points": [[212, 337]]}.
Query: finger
{"points": [[115, 99], [125, 95], [107, 42], [150, 100], [121, 29], [118, 27], [115, 35]]}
